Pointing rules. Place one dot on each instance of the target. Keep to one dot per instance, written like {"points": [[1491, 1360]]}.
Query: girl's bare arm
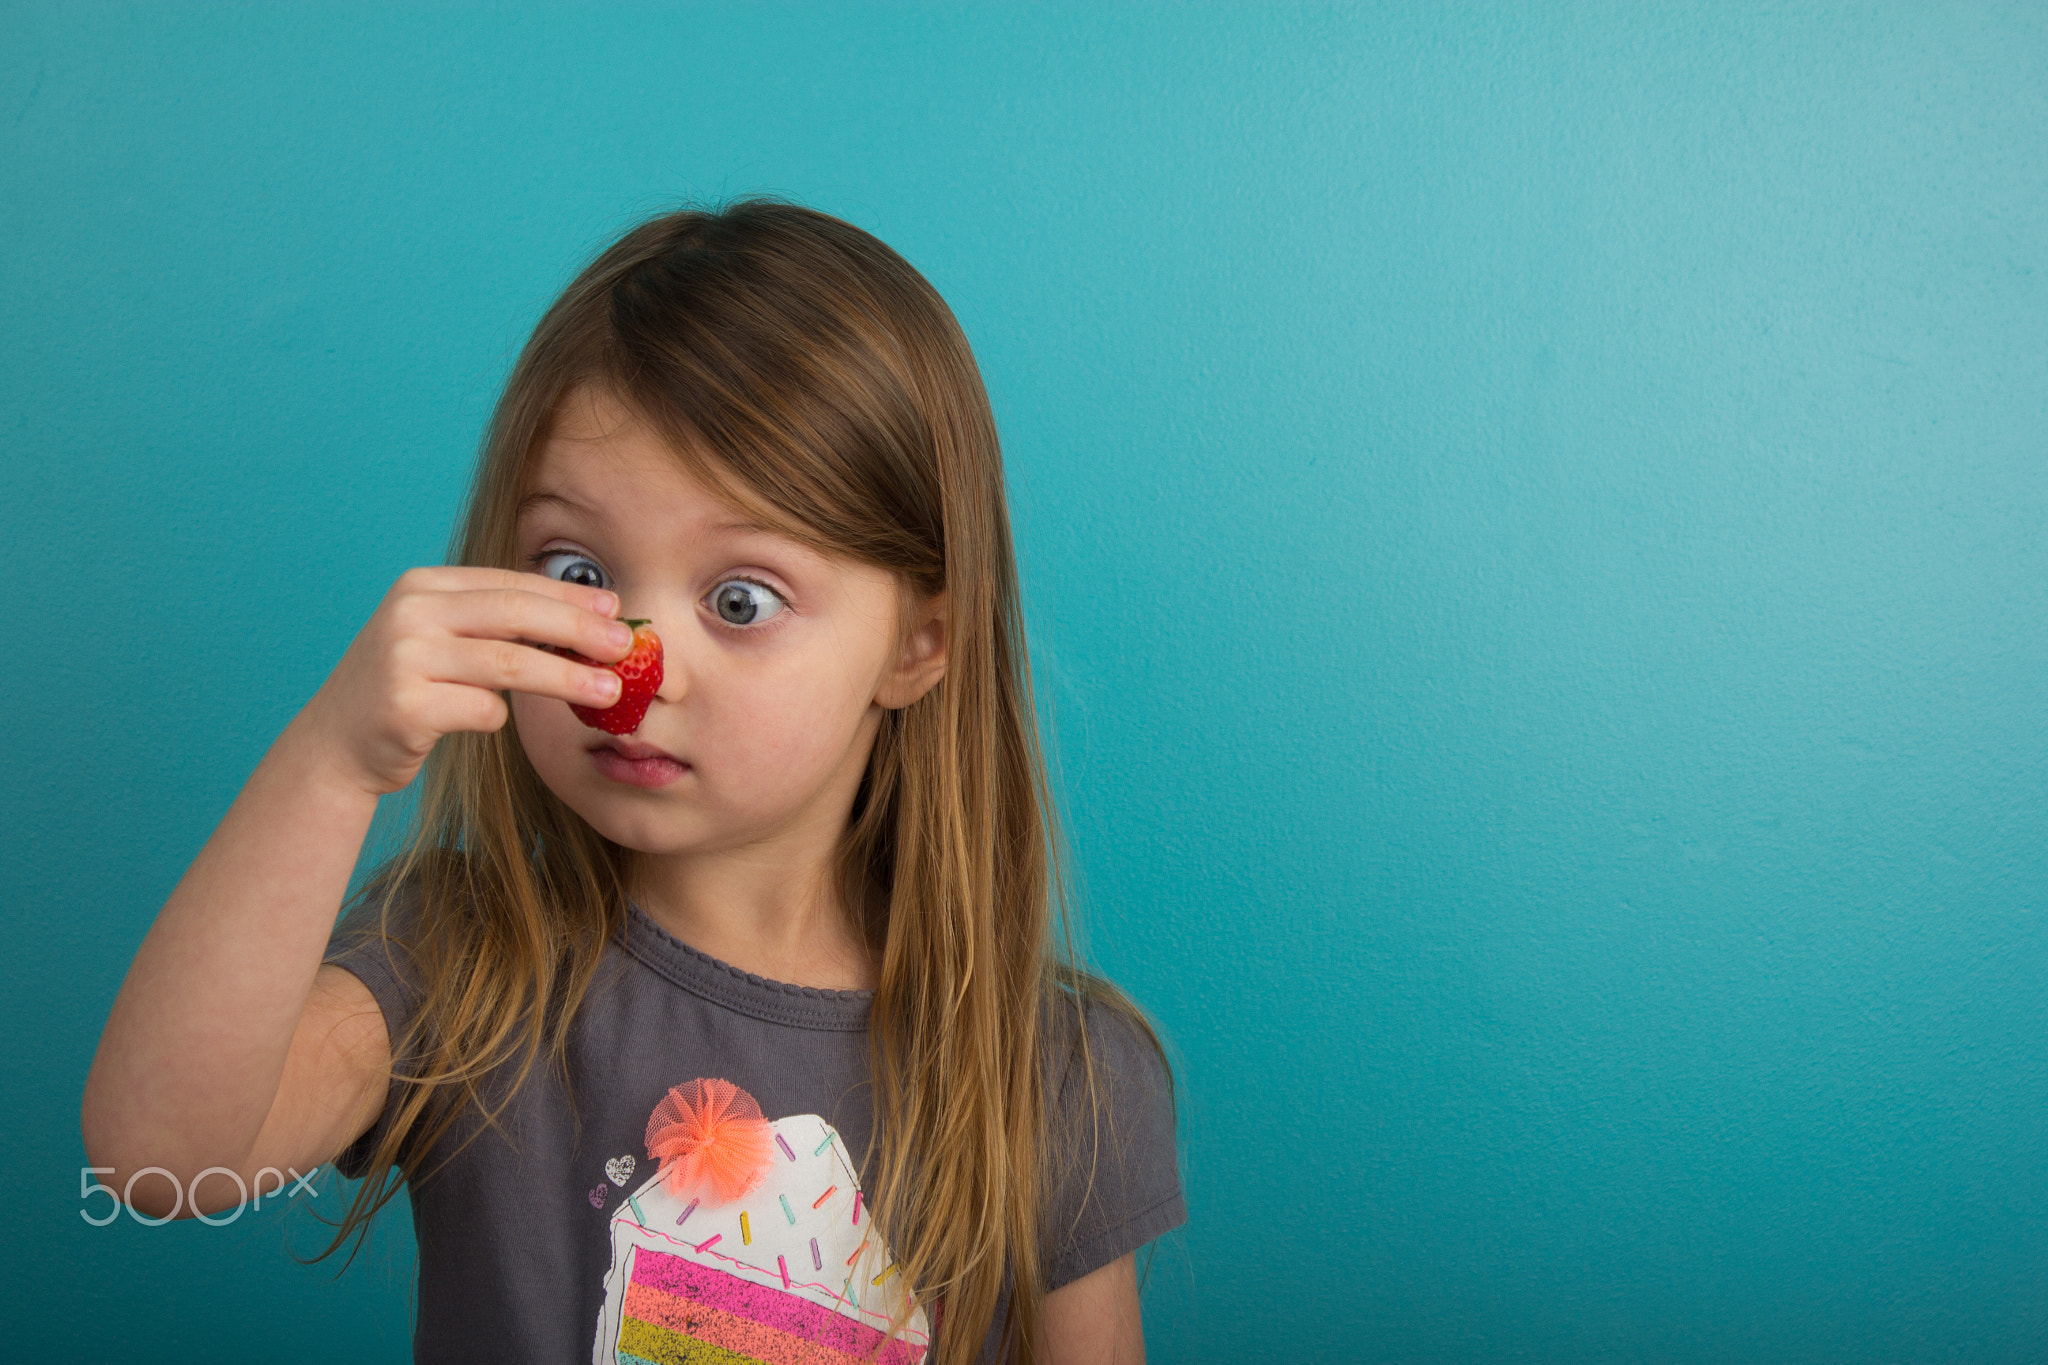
{"points": [[189, 1063], [1095, 1320], [230, 1044]]}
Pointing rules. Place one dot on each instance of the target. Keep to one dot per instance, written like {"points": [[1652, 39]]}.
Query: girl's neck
{"points": [[781, 922]]}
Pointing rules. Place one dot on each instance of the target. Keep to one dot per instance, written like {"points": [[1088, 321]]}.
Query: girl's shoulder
{"points": [[379, 935], [1091, 1027], [389, 903]]}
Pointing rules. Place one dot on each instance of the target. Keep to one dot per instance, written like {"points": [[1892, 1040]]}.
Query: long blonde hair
{"points": [[790, 355]]}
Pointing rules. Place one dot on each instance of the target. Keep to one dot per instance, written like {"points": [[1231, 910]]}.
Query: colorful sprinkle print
{"points": [[681, 1313]]}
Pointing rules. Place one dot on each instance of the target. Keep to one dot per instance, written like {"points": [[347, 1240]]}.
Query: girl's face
{"points": [[777, 659]]}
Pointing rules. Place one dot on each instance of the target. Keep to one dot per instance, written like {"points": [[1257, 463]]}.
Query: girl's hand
{"points": [[437, 652]]}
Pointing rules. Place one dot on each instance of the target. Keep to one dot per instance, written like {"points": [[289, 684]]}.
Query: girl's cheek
{"points": [[540, 731], [523, 719]]}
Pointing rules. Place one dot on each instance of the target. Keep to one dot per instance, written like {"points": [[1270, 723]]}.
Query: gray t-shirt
{"points": [[527, 1234]]}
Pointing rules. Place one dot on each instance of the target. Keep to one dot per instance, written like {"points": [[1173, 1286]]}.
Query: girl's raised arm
{"points": [[229, 1044]]}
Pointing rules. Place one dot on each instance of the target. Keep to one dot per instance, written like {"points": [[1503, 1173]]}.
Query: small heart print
{"points": [[597, 1194], [620, 1169]]}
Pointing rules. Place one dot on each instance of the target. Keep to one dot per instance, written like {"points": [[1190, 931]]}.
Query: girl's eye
{"points": [[571, 567], [743, 602]]}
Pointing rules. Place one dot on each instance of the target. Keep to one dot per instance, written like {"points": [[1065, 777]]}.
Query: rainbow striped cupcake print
{"points": [[788, 1273]]}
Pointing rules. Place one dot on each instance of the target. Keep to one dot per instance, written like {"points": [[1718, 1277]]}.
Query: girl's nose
{"points": [[674, 660], [673, 679]]}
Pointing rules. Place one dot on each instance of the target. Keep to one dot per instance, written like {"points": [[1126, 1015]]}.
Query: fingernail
{"points": [[608, 603], [605, 687], [619, 633]]}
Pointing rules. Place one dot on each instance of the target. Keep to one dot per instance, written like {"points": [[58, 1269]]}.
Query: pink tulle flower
{"points": [[711, 1139]]}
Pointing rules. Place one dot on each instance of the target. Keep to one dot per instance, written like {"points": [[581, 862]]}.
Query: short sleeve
{"points": [[1115, 1173], [383, 962]]}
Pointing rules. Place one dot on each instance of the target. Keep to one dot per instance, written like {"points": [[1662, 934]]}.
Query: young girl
{"points": [[738, 1033]]}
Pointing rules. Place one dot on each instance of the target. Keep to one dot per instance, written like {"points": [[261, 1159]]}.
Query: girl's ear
{"points": [[922, 660]]}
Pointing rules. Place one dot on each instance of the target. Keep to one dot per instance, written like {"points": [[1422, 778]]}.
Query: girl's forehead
{"points": [[599, 457]]}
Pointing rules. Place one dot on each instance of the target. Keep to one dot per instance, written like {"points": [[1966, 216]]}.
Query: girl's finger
{"points": [[461, 578], [507, 665], [447, 708], [514, 614]]}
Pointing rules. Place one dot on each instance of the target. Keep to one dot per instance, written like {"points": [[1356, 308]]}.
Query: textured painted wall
{"points": [[1533, 518]]}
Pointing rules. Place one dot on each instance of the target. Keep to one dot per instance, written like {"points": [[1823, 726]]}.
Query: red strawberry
{"points": [[639, 678]]}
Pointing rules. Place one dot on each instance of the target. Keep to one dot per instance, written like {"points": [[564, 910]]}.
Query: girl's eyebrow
{"points": [[750, 528], [546, 497], [549, 498]]}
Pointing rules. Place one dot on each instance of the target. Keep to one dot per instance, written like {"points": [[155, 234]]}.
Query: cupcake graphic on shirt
{"points": [[752, 1239]]}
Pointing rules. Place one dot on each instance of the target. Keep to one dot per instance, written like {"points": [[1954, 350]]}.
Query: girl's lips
{"points": [[632, 748], [636, 765]]}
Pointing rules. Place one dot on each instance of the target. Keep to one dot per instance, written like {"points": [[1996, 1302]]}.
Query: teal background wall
{"points": [[1533, 518]]}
